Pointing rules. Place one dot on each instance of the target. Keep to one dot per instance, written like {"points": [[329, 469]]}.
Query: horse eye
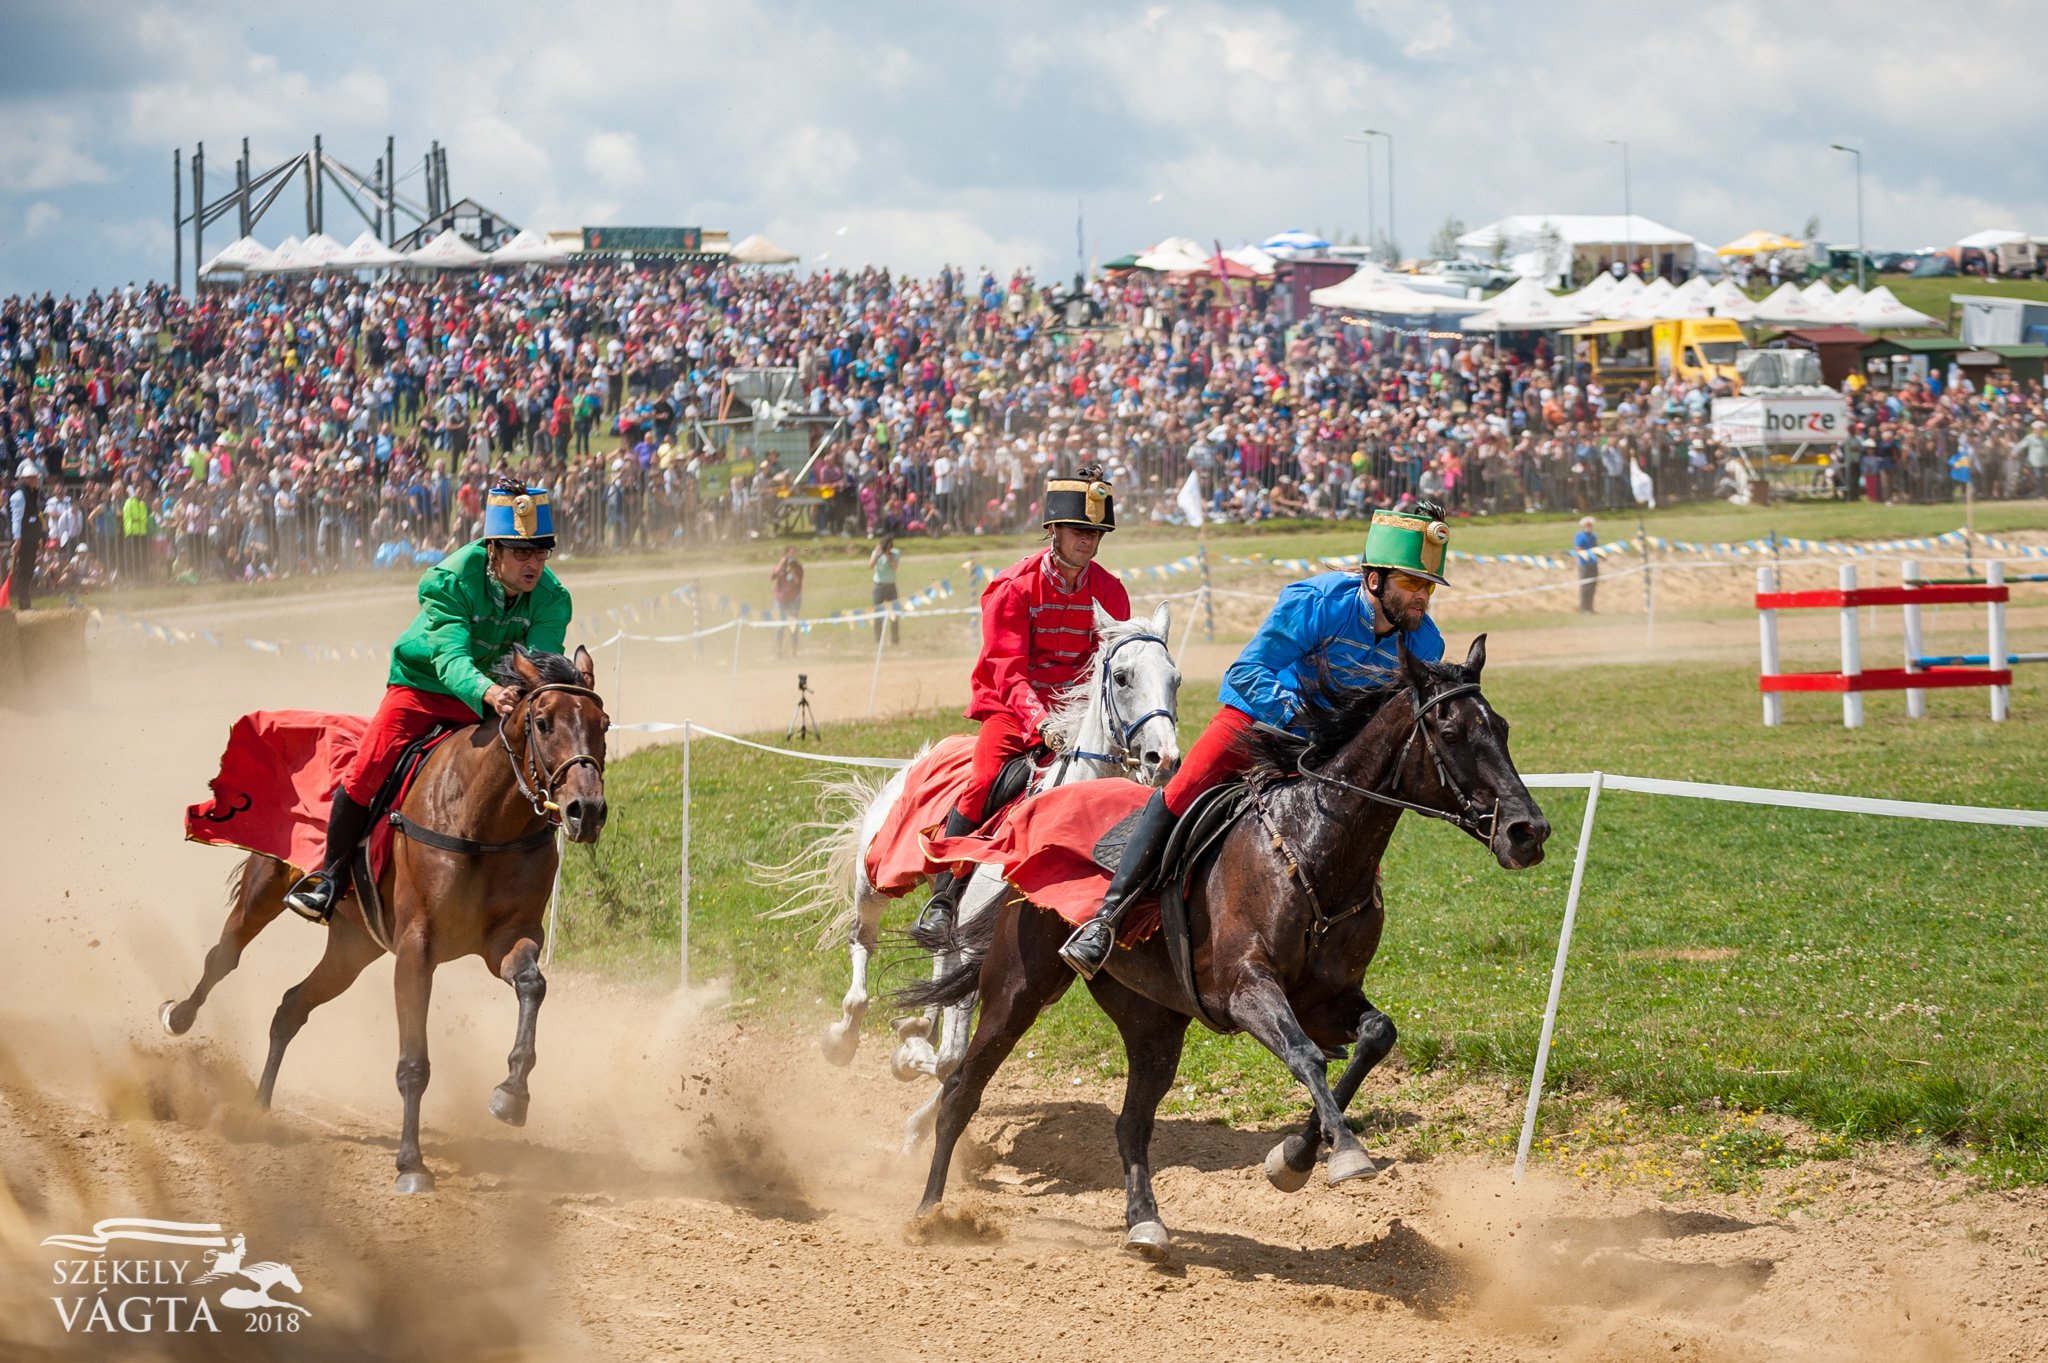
{"points": [[546, 726], [1123, 676]]}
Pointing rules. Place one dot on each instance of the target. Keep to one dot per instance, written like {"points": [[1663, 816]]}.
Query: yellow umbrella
{"points": [[1758, 243]]}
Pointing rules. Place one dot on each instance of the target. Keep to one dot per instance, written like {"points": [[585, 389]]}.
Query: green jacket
{"points": [[467, 623]]}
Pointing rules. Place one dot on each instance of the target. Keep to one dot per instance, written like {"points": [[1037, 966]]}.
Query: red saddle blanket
{"points": [[896, 859], [1044, 845], [276, 786]]}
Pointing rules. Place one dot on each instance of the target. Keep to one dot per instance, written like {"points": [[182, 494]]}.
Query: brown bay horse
{"points": [[471, 877], [1283, 920]]}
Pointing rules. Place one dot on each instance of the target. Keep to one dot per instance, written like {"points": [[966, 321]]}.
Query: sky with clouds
{"points": [[915, 134]]}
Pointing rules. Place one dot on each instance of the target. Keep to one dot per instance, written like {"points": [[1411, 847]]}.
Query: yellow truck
{"points": [[1701, 348]]}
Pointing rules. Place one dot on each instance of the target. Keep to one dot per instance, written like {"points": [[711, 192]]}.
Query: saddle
{"points": [[375, 848], [1011, 782], [1188, 848]]}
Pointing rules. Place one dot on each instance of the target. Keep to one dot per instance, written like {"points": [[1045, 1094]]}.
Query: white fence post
{"points": [[1916, 697], [1564, 947], [683, 919], [875, 681], [732, 694], [547, 955], [1852, 655], [1767, 629], [1995, 655], [1187, 631]]}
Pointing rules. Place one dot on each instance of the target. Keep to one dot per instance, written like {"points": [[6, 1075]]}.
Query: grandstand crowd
{"points": [[282, 426]]}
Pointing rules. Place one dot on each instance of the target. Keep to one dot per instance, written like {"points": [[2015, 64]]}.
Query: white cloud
{"points": [[615, 159], [41, 151], [42, 215]]}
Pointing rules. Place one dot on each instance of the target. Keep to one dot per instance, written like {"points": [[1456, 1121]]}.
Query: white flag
{"points": [[1190, 498], [1640, 484]]}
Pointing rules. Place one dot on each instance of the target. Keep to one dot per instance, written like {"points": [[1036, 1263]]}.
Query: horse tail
{"points": [[970, 942], [824, 878]]}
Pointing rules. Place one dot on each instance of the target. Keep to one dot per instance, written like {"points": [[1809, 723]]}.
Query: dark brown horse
{"points": [[1283, 919], [496, 790]]}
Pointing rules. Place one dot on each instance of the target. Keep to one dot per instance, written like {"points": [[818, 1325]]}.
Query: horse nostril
{"points": [[1151, 759]]}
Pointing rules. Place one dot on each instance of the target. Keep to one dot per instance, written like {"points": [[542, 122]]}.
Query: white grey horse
{"points": [[1118, 721]]}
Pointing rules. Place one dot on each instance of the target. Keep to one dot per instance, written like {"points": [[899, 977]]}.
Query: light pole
{"points": [[1392, 238], [1372, 220], [1628, 212], [1837, 146]]}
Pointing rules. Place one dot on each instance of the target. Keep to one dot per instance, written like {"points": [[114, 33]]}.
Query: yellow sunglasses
{"points": [[1408, 582]]}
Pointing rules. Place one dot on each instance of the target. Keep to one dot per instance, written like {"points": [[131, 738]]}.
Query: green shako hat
{"points": [[1083, 500], [1415, 542]]}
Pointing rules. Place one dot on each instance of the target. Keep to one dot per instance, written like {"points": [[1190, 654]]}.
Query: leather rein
{"points": [[1120, 729]]}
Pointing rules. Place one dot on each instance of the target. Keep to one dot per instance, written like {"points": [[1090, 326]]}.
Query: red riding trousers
{"points": [[1215, 758], [404, 714]]}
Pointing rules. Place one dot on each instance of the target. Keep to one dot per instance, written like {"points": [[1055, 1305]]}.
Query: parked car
{"points": [[1474, 273], [1932, 265]]}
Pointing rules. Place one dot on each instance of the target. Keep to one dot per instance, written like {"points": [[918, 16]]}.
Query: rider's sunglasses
{"points": [[530, 555], [1408, 582]]}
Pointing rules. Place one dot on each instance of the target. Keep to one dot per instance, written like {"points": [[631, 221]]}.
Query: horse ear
{"points": [[1475, 660], [1103, 619], [1162, 620], [586, 667], [1414, 669], [522, 663]]}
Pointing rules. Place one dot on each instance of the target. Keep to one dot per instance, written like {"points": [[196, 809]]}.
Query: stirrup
{"points": [[313, 896], [1084, 957], [939, 912]]}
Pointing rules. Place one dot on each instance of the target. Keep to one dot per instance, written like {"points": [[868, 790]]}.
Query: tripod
{"points": [[803, 721]]}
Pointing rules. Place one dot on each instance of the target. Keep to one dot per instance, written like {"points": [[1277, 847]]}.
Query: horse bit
{"points": [[541, 794], [1124, 732]]}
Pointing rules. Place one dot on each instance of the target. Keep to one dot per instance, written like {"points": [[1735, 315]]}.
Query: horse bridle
{"points": [[541, 794], [1124, 732], [1471, 816]]}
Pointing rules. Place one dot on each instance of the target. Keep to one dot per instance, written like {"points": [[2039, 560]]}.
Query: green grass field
{"points": [[1872, 978]]}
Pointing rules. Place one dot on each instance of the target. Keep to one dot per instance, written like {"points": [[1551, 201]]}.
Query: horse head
{"points": [[1465, 771], [562, 719], [1134, 693]]}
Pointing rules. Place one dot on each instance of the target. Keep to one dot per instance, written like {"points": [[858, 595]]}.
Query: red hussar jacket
{"points": [[1037, 638]]}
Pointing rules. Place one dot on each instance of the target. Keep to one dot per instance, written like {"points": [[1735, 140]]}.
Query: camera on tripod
{"points": [[803, 722]]}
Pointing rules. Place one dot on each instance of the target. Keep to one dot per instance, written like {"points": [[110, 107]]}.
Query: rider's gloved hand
{"points": [[503, 699]]}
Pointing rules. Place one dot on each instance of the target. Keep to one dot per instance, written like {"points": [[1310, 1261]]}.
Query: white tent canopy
{"points": [[367, 253], [1253, 258], [1526, 305], [1370, 290], [525, 248], [448, 252], [284, 257], [1819, 294], [1177, 255], [317, 252], [1731, 302], [1787, 307], [247, 253], [1548, 245], [1880, 310], [1643, 305], [1991, 238], [758, 250]]}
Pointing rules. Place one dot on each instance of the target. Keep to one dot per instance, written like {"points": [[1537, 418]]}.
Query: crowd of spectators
{"points": [[317, 425]]}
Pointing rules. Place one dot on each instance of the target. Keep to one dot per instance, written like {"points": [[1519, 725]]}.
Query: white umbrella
{"points": [[1177, 255], [1730, 302], [1526, 305], [758, 250], [1370, 290], [448, 252], [525, 248], [1294, 242], [1253, 258], [247, 253], [367, 253], [1787, 307], [1880, 310]]}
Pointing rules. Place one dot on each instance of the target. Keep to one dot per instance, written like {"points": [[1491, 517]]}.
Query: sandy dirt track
{"points": [[689, 1187]]}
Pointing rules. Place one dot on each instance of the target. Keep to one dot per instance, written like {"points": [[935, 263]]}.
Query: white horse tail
{"points": [[824, 878]]}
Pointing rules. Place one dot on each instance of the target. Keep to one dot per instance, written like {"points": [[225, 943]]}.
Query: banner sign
{"points": [[1818, 419], [643, 239]]}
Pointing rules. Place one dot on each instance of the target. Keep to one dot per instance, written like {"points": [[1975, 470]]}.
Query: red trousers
{"points": [[403, 715], [999, 740], [1214, 759]]}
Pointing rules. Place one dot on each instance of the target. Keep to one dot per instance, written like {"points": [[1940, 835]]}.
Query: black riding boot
{"points": [[317, 892], [940, 909], [1088, 948]]}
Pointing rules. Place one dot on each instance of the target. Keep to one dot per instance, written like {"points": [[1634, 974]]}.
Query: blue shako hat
{"points": [[517, 515]]}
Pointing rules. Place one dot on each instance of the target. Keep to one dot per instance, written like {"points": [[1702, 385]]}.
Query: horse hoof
{"points": [[1283, 1175], [167, 1015], [509, 1108], [1147, 1240], [414, 1181], [915, 1026], [839, 1043], [1346, 1165], [913, 1058]]}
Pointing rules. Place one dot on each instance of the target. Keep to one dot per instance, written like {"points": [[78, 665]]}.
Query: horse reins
{"points": [[541, 794], [1121, 730], [1464, 819]]}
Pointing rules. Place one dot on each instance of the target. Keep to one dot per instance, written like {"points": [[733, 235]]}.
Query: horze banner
{"points": [[1817, 419]]}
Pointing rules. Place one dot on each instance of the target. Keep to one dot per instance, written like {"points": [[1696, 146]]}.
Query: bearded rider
{"points": [[1351, 625], [474, 606], [1037, 637]]}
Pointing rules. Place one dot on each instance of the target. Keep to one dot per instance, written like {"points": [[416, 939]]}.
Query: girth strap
{"points": [[448, 842]]}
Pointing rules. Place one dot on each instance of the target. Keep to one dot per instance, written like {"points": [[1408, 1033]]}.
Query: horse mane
{"points": [[1334, 709], [554, 669], [1071, 705]]}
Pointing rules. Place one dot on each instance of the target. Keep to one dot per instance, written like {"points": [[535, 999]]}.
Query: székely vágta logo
{"points": [[105, 1291]]}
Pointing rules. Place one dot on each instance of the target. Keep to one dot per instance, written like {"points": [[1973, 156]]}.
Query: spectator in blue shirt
{"points": [[1583, 545]]}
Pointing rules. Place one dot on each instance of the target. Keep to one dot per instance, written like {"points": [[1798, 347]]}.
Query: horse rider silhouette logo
{"points": [[95, 1305]]}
